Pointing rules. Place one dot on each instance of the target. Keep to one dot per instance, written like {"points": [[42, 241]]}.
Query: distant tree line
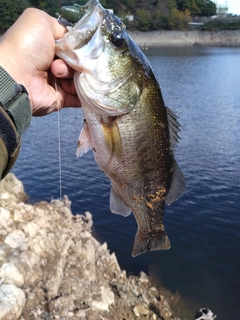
{"points": [[161, 14], [10, 10], [148, 14]]}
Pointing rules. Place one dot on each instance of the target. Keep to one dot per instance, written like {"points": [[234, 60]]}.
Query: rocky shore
{"points": [[224, 38], [51, 267]]}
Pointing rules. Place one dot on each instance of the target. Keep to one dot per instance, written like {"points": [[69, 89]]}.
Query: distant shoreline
{"points": [[188, 38], [224, 38]]}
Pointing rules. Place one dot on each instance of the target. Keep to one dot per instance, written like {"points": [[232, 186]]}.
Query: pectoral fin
{"points": [[112, 137], [84, 140]]}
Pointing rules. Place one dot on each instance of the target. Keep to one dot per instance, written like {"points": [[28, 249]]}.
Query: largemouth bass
{"points": [[127, 125]]}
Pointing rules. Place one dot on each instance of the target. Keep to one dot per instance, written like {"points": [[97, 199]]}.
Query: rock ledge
{"points": [[51, 267]]}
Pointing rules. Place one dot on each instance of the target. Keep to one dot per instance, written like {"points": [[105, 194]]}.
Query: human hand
{"points": [[27, 52]]}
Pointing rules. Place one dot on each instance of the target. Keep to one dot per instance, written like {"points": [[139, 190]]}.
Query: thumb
{"points": [[58, 29]]}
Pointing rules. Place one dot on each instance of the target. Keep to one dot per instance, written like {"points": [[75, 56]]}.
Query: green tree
{"points": [[143, 19], [171, 4], [115, 5], [157, 14], [176, 19], [131, 5], [209, 8], [197, 7], [40, 4], [148, 14], [10, 10]]}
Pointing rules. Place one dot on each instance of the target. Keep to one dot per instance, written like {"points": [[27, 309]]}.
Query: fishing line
{"points": [[59, 140], [59, 146]]}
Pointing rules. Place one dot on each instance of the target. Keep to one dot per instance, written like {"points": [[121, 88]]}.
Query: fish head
{"points": [[108, 62], [73, 45], [113, 31], [96, 30]]}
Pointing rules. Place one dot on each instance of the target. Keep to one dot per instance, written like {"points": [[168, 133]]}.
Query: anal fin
{"points": [[117, 205]]}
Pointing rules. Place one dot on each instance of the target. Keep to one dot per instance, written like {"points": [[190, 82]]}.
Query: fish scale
{"points": [[127, 125]]}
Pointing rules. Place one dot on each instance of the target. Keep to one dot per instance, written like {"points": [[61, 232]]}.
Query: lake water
{"points": [[202, 86]]}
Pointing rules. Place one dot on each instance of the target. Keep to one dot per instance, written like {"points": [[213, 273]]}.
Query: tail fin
{"points": [[159, 241]]}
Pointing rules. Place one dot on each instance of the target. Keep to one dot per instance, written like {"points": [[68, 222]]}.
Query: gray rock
{"points": [[12, 301], [51, 267], [140, 310], [16, 239]]}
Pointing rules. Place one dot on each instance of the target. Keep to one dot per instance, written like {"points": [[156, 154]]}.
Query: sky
{"points": [[233, 5]]}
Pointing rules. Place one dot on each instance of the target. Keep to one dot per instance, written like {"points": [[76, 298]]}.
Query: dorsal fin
{"points": [[174, 128], [178, 185]]}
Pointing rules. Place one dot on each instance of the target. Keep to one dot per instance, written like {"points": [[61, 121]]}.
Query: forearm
{"points": [[15, 118]]}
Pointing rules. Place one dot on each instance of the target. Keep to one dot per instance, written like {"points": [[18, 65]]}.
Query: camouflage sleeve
{"points": [[15, 118]]}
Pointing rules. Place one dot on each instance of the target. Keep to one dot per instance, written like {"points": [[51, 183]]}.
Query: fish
{"points": [[127, 125]]}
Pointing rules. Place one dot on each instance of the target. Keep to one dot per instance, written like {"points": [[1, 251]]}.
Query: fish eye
{"points": [[117, 39]]}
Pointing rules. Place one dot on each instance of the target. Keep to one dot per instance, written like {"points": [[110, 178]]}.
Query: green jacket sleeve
{"points": [[15, 118]]}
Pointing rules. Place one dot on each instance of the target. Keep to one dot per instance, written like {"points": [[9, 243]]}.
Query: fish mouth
{"points": [[100, 21], [82, 32], [93, 15], [91, 18], [88, 38], [95, 19]]}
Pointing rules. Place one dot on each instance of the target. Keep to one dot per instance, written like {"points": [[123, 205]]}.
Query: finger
{"points": [[68, 86], [66, 100], [60, 100], [72, 101], [58, 28], [61, 70]]}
